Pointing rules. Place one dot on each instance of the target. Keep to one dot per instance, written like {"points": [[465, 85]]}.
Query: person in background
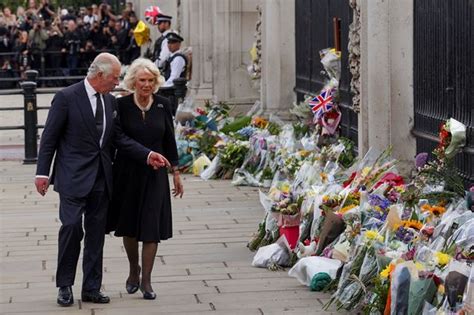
{"points": [[38, 37], [133, 49], [140, 210], [121, 43], [161, 51], [54, 45], [9, 18], [46, 10], [32, 7], [72, 44], [20, 15], [175, 66], [90, 17]]}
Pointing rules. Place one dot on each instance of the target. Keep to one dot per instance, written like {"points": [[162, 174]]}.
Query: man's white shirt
{"points": [[165, 52], [177, 66]]}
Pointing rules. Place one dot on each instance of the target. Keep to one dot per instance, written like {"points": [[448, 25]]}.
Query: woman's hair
{"points": [[142, 64]]}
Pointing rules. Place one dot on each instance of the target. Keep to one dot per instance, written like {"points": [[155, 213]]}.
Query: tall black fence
{"points": [[314, 32], [444, 74]]}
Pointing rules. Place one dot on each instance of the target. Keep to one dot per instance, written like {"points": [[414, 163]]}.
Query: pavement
{"points": [[204, 269]]}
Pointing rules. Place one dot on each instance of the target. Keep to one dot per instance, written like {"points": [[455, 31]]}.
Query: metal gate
{"points": [[314, 31], [444, 74]]}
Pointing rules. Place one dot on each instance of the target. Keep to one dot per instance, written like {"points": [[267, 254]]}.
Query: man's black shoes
{"points": [[95, 297], [65, 297]]}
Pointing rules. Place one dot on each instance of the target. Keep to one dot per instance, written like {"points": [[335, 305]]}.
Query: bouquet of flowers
{"points": [[232, 156], [452, 137]]}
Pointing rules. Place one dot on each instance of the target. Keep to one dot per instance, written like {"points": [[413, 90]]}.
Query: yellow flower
{"points": [[419, 266], [304, 153], [325, 198], [442, 259], [417, 225], [434, 210], [324, 177], [426, 207], [366, 170], [373, 235], [285, 188], [437, 210], [346, 208], [386, 272]]}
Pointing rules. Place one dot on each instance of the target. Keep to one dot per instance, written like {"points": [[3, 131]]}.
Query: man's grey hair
{"points": [[102, 63]]}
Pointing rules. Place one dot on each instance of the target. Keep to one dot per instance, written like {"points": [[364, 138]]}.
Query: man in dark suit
{"points": [[81, 129]]}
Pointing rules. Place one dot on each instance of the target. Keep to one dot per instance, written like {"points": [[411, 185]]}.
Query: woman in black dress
{"points": [[141, 204]]}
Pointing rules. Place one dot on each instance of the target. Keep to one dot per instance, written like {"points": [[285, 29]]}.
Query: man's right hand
{"points": [[42, 185]]}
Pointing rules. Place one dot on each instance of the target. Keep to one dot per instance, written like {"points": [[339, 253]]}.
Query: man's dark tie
{"points": [[99, 115]]}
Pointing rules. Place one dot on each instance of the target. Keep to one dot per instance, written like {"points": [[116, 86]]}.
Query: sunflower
{"points": [[434, 210], [414, 224], [425, 207], [437, 210]]}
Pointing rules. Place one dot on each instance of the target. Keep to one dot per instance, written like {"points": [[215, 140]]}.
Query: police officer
{"points": [[175, 66], [161, 51]]}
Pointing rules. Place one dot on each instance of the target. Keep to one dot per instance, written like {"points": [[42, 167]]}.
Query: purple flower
{"points": [[421, 159], [404, 235], [375, 200]]}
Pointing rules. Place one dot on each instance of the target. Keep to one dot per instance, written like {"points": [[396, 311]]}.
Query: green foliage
{"points": [[207, 144], [347, 157], [232, 156], [237, 124], [267, 173], [300, 130], [273, 128], [257, 238], [379, 297]]}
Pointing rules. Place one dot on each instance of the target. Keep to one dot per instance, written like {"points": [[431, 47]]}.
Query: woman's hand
{"points": [[178, 186]]}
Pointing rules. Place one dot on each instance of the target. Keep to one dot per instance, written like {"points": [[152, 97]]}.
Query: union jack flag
{"points": [[321, 103]]}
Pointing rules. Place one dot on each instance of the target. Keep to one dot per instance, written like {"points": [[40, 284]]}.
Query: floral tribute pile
{"points": [[381, 244]]}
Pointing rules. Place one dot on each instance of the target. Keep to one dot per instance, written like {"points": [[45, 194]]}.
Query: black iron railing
{"points": [[443, 74], [30, 108]]}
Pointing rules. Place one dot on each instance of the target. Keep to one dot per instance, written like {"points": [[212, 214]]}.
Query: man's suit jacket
{"points": [[71, 133]]}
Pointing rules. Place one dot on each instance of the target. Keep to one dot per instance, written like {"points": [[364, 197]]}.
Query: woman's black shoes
{"points": [[131, 287], [148, 295]]}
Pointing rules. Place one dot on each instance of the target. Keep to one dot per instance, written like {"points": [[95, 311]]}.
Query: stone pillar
{"points": [[196, 24], [278, 57], [378, 73], [233, 27], [401, 78], [386, 114]]}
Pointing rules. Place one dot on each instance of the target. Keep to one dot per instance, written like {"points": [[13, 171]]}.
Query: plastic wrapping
{"points": [[307, 267], [212, 169], [458, 137], [185, 110], [200, 164], [277, 253]]}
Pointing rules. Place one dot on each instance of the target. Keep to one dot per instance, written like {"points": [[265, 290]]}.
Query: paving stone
{"points": [[204, 269]]}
